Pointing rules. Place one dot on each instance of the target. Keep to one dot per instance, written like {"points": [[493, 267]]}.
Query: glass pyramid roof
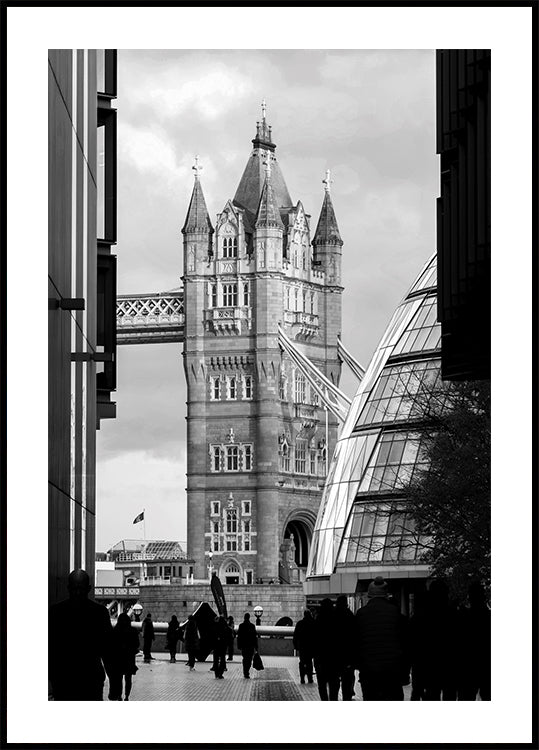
{"points": [[362, 518]]}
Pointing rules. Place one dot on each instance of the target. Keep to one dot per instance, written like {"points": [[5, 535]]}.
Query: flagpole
{"points": [[144, 568]]}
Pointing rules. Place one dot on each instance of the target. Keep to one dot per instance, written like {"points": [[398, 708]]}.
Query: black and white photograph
{"points": [[288, 268]]}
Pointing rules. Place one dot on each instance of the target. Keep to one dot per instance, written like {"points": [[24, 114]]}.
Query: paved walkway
{"points": [[279, 681]]}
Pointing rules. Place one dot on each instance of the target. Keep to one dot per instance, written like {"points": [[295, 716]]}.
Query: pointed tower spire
{"points": [[327, 230], [198, 218], [268, 211]]}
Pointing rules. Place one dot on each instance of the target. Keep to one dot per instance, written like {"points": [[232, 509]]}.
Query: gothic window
{"points": [[230, 247], [247, 458], [312, 468], [248, 387], [248, 576], [296, 299], [246, 299], [287, 298], [304, 301], [215, 506], [231, 521], [282, 387], [216, 456], [322, 460], [232, 389], [300, 388], [215, 389], [214, 295], [304, 257], [246, 507], [215, 527], [230, 295], [232, 458], [246, 544], [301, 457], [247, 527], [231, 544], [312, 303], [216, 545], [285, 456]]}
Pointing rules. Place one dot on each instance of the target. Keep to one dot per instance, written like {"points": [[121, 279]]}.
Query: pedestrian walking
{"points": [[247, 643], [191, 640], [125, 647], [325, 638], [148, 637], [221, 639], [231, 636], [80, 644], [346, 647], [474, 647], [173, 636], [382, 646], [434, 634], [303, 640]]}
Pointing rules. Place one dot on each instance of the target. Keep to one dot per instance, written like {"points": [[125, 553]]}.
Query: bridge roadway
{"points": [[279, 681]]}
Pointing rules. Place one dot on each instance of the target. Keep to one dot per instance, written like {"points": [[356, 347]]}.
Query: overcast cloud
{"points": [[366, 115]]}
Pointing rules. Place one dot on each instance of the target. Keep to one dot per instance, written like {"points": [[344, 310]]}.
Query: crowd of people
{"points": [[444, 651]]}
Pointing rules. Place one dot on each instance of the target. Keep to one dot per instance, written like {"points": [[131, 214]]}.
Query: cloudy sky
{"points": [[366, 115]]}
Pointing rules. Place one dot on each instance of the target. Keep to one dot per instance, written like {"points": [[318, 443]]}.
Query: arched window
{"points": [[230, 295], [300, 388], [230, 247]]}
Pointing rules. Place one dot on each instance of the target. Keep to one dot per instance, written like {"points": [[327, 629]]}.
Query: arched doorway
{"points": [[231, 572], [296, 543]]}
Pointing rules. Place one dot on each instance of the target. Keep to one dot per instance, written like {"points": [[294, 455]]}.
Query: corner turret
{"points": [[327, 242]]}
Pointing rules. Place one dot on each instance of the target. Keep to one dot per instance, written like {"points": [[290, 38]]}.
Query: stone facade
{"points": [[259, 441], [277, 601]]}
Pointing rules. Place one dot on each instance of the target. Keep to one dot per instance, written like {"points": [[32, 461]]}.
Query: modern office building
{"points": [[363, 528], [257, 434], [82, 297], [463, 216]]}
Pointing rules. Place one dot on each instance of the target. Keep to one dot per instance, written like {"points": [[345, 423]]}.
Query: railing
{"points": [[227, 318], [150, 318]]}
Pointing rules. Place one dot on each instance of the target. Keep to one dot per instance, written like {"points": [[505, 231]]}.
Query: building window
{"points": [[296, 299], [231, 544], [247, 527], [248, 387], [246, 297], [282, 387], [300, 387], [322, 461], [285, 457], [230, 295], [312, 303], [215, 527], [301, 457], [312, 469], [246, 508], [214, 295], [230, 247], [216, 458], [216, 545], [215, 508], [248, 576], [287, 298], [304, 257], [247, 458], [232, 458], [215, 389], [232, 391], [246, 545], [231, 521]]}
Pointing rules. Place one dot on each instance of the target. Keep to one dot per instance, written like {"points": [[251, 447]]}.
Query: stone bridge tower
{"points": [[258, 440]]}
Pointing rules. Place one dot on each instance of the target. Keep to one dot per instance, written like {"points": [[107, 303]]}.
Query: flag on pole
{"points": [[139, 518]]}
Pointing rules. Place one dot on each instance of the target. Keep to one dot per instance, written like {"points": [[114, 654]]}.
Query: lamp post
{"points": [[137, 609], [259, 611], [210, 566]]}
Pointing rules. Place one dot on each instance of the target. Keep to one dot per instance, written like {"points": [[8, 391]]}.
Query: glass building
{"points": [[363, 528]]}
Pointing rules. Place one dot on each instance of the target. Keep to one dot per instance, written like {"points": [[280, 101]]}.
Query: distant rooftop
{"points": [[158, 548]]}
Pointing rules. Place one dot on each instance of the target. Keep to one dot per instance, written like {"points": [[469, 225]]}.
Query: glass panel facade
{"points": [[362, 519]]}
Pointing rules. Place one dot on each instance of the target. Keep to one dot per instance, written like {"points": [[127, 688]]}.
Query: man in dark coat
{"points": [[433, 631], [474, 647], [325, 638], [303, 640], [231, 636], [382, 640], [221, 637], [80, 634], [148, 637], [247, 643], [191, 640], [345, 628]]}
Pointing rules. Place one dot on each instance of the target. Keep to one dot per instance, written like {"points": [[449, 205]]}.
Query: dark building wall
{"points": [[74, 307], [463, 215]]}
